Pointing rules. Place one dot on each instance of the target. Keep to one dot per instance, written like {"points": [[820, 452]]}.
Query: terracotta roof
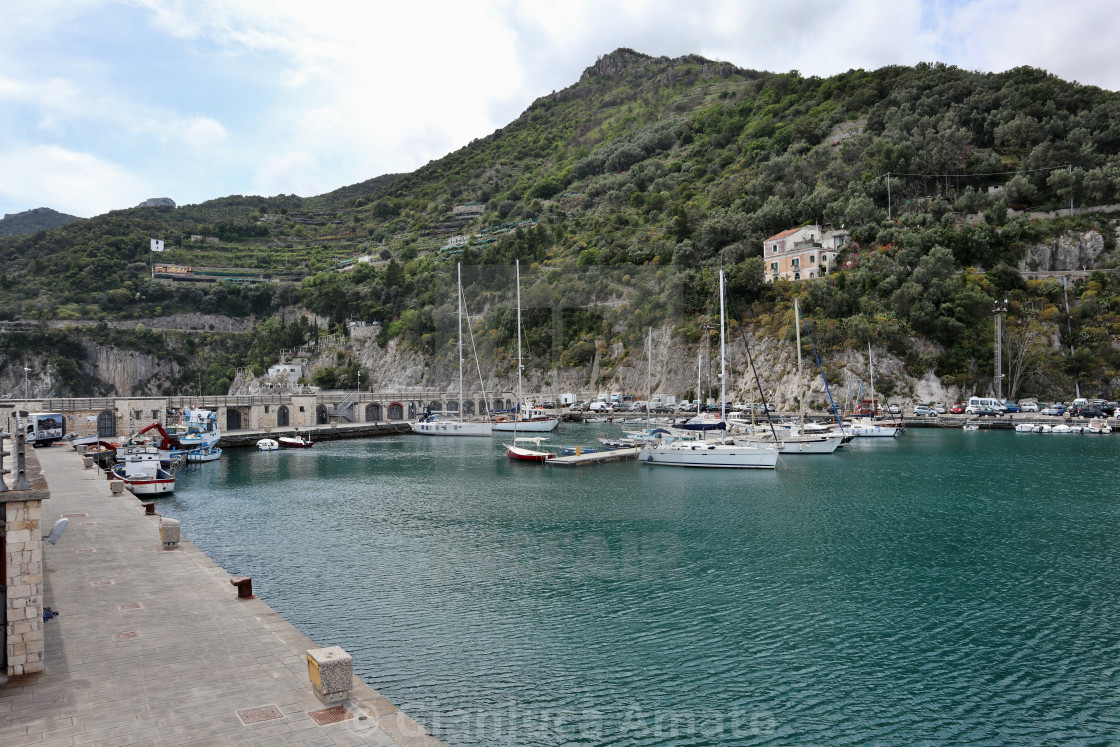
{"points": [[783, 234]]}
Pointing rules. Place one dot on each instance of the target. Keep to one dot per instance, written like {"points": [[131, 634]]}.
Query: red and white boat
{"points": [[138, 467], [525, 454], [294, 442]]}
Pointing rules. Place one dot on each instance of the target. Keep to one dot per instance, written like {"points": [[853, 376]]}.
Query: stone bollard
{"points": [[169, 532], [116, 487], [331, 671], [81, 449], [87, 462], [244, 586]]}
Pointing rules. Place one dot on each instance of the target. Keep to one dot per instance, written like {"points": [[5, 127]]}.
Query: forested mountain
{"points": [[30, 221], [624, 193]]}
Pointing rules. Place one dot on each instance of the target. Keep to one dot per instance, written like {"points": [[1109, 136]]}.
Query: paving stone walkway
{"points": [[153, 646]]}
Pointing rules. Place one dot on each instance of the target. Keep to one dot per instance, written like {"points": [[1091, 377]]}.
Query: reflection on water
{"points": [[946, 587]]}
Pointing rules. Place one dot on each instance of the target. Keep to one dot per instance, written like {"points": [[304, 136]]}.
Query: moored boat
{"points": [[206, 454], [138, 467], [295, 441], [525, 454], [268, 444]]}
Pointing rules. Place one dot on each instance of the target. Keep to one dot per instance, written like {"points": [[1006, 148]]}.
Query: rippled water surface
{"points": [[944, 587]]}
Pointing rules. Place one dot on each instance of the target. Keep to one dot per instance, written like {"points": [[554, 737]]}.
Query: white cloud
{"points": [[203, 133], [70, 182], [286, 173]]}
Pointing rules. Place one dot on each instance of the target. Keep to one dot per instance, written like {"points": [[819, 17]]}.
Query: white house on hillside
{"points": [[802, 253]]}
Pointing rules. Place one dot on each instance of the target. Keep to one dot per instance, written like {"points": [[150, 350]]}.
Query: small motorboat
{"points": [[204, 454], [267, 444], [294, 442], [971, 425]]}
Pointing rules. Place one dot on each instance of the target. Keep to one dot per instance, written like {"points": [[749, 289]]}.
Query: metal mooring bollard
{"points": [[244, 586], [150, 509]]}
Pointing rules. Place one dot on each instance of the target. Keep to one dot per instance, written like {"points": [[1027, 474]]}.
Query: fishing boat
{"points": [[139, 468], [524, 420], [525, 454], [441, 424], [971, 425], [712, 454], [1098, 425], [197, 428], [268, 444]]}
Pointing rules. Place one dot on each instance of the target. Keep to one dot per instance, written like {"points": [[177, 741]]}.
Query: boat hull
{"points": [[287, 442], [520, 454], [162, 482], [709, 455], [539, 425], [452, 428]]}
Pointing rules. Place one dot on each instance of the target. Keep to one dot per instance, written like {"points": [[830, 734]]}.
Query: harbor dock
{"points": [[596, 457], [155, 646]]}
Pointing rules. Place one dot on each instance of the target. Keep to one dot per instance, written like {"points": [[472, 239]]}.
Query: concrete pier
{"points": [[153, 646]]}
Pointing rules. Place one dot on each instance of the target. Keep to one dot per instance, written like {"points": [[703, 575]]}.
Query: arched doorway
{"points": [[373, 412], [233, 419], [321, 415], [411, 410], [396, 411], [453, 405], [509, 404], [468, 407], [435, 406], [482, 407], [282, 416], [106, 425]]}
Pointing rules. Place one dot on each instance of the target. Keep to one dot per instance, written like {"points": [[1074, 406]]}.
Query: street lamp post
{"points": [[25, 370], [999, 309]]}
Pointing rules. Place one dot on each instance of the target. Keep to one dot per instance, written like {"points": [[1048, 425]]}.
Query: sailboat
{"points": [[523, 421], [868, 427], [796, 440], [440, 424], [712, 454]]}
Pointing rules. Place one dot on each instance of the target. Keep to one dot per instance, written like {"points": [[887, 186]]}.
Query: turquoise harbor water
{"points": [[944, 587]]}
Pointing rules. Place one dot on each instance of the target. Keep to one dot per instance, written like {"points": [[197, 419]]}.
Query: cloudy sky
{"points": [[104, 103]]}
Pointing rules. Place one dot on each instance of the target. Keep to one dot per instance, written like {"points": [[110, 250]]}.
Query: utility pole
{"points": [[25, 370], [1000, 309], [1069, 331]]}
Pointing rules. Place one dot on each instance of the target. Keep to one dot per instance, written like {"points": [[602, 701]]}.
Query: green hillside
{"points": [[647, 175], [30, 221]]}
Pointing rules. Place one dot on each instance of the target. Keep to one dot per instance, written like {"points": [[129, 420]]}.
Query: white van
{"points": [[975, 404], [601, 407]]}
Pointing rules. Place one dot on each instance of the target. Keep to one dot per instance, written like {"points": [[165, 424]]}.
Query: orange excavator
{"points": [[167, 441]]}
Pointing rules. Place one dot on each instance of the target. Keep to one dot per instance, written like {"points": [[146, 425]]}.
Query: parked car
{"points": [[990, 412], [921, 411], [1028, 406], [894, 409], [1010, 406], [1087, 411], [939, 408], [957, 409], [1055, 409]]}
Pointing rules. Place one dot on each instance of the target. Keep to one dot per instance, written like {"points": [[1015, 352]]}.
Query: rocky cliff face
{"points": [[1071, 251], [126, 372]]}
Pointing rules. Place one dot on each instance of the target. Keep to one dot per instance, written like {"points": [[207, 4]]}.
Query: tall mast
{"points": [[699, 374], [520, 404], [459, 270], [800, 378], [722, 355], [871, 373], [649, 378]]}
